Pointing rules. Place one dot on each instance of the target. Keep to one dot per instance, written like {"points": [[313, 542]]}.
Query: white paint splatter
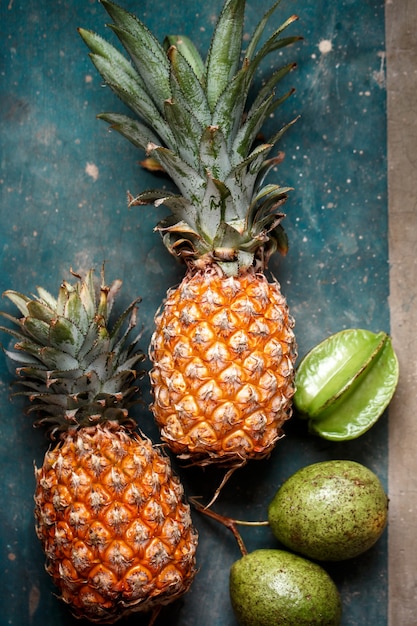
{"points": [[379, 75], [325, 46], [91, 169]]}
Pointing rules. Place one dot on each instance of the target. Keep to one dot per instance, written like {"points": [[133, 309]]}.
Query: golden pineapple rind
{"points": [[223, 355], [113, 523]]}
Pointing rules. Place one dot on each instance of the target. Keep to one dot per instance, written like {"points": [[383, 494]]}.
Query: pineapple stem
{"points": [[228, 522], [225, 478], [154, 616]]}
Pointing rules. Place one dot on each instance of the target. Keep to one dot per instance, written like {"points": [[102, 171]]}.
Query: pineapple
{"points": [[223, 349], [110, 512]]}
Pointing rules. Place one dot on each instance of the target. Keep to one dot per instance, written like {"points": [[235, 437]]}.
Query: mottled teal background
{"points": [[63, 184]]}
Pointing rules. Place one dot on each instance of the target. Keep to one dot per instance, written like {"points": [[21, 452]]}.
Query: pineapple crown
{"points": [[74, 368], [193, 120]]}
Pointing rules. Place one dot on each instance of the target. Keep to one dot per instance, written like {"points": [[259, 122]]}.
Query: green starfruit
{"points": [[345, 383]]}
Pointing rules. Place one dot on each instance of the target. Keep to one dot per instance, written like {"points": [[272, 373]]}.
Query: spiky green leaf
{"points": [[230, 105], [187, 89], [213, 153], [267, 90], [137, 133], [65, 335], [21, 358], [19, 300], [37, 309], [145, 51], [186, 130], [190, 183], [277, 136], [129, 89], [274, 42], [215, 203], [227, 238], [259, 30], [119, 68], [188, 51], [46, 298], [244, 174], [37, 329], [224, 54], [263, 210], [247, 133], [265, 168], [182, 209]]}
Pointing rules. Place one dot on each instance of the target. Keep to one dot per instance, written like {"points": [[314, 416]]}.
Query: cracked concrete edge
{"points": [[401, 45]]}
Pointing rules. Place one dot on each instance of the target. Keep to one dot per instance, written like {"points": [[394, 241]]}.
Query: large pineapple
{"points": [[223, 349], [110, 512]]}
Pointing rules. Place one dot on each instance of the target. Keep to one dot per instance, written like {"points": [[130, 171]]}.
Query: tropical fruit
{"points": [[276, 587], [110, 512], [223, 350], [330, 511], [345, 383]]}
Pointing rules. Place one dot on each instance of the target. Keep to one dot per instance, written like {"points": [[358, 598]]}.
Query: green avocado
{"points": [[276, 588], [329, 511]]}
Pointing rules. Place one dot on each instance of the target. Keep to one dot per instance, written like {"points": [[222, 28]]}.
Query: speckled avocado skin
{"points": [[276, 588], [329, 511]]}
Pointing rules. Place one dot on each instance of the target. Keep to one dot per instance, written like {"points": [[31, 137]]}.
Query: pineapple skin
{"points": [[223, 354], [113, 523]]}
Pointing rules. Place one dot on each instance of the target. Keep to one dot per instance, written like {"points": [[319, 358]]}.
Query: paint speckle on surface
{"points": [[379, 75], [91, 169], [34, 598], [325, 46]]}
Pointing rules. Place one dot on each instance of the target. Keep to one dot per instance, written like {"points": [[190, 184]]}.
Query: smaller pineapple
{"points": [[110, 513]]}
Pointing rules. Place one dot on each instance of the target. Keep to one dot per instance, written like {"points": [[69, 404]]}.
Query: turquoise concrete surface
{"points": [[63, 185]]}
